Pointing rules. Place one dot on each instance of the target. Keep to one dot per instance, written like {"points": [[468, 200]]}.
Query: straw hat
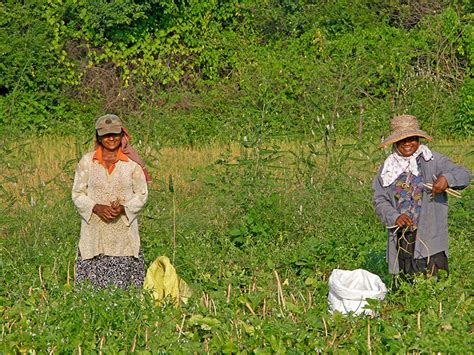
{"points": [[402, 127]]}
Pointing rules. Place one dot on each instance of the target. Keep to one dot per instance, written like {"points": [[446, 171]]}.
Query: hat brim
{"points": [[398, 136], [109, 130]]}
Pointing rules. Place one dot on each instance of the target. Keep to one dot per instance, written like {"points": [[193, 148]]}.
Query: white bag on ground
{"points": [[349, 289]]}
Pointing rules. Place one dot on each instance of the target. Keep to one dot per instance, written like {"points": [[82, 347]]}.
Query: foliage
{"points": [[149, 43], [299, 214], [196, 70], [464, 120]]}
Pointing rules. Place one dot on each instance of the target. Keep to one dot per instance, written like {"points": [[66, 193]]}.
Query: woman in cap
{"points": [[109, 191], [416, 216]]}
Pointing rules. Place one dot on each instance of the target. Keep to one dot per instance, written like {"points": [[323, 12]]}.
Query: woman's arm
{"points": [[457, 176], [140, 194], [382, 204], [84, 204]]}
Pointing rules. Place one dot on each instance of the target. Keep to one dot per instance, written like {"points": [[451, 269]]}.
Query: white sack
{"points": [[349, 289]]}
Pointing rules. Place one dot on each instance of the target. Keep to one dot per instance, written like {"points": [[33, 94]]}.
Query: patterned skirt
{"points": [[103, 271]]}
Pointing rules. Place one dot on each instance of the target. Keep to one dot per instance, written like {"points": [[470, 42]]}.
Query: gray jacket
{"points": [[432, 233]]}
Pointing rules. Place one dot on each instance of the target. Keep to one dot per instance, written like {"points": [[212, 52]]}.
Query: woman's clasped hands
{"points": [[109, 213]]}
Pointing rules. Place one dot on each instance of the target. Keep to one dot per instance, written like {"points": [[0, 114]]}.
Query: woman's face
{"points": [[408, 146], [111, 141]]}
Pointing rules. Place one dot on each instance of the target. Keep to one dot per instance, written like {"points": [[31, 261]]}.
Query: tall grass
{"points": [[259, 229], [45, 165]]}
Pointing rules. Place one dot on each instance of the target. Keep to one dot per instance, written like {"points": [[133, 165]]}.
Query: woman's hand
{"points": [[109, 213], [440, 185], [106, 213], [404, 221], [117, 208]]}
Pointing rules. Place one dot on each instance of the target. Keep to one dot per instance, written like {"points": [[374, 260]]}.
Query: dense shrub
{"points": [[226, 69]]}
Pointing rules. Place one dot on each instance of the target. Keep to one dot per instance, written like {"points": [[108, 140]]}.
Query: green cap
{"points": [[108, 124]]}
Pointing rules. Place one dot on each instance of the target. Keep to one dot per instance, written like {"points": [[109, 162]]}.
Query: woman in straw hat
{"points": [[109, 191], [410, 198]]}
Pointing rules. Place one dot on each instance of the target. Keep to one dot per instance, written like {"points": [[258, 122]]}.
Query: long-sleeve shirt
{"points": [[432, 232], [93, 184]]}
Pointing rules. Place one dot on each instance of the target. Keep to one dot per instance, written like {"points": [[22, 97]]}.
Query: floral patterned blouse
{"points": [[408, 195]]}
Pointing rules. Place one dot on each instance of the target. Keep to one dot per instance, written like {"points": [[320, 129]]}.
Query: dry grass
{"points": [[46, 165]]}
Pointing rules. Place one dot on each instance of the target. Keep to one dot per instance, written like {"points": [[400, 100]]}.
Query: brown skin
{"points": [[110, 144], [407, 147]]}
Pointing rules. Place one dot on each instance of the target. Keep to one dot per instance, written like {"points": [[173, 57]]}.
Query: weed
{"points": [[258, 226]]}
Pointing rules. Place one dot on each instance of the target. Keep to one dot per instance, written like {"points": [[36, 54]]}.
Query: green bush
{"points": [[274, 67], [297, 218]]}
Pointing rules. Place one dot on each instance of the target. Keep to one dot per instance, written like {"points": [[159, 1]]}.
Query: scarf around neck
{"points": [[130, 152], [396, 164]]}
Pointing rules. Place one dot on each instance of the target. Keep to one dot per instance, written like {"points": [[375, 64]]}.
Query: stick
{"points": [[333, 339], [101, 344], [171, 189], [396, 228], [281, 298], [369, 345], [180, 327], [40, 277], [325, 327], [361, 120], [205, 300], [42, 284], [147, 337], [68, 274], [249, 308], [134, 344], [427, 249], [228, 293], [399, 247], [449, 191], [174, 226], [213, 307]]}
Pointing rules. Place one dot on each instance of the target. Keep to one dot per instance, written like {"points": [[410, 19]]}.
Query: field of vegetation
{"points": [[259, 229], [259, 121], [198, 71]]}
